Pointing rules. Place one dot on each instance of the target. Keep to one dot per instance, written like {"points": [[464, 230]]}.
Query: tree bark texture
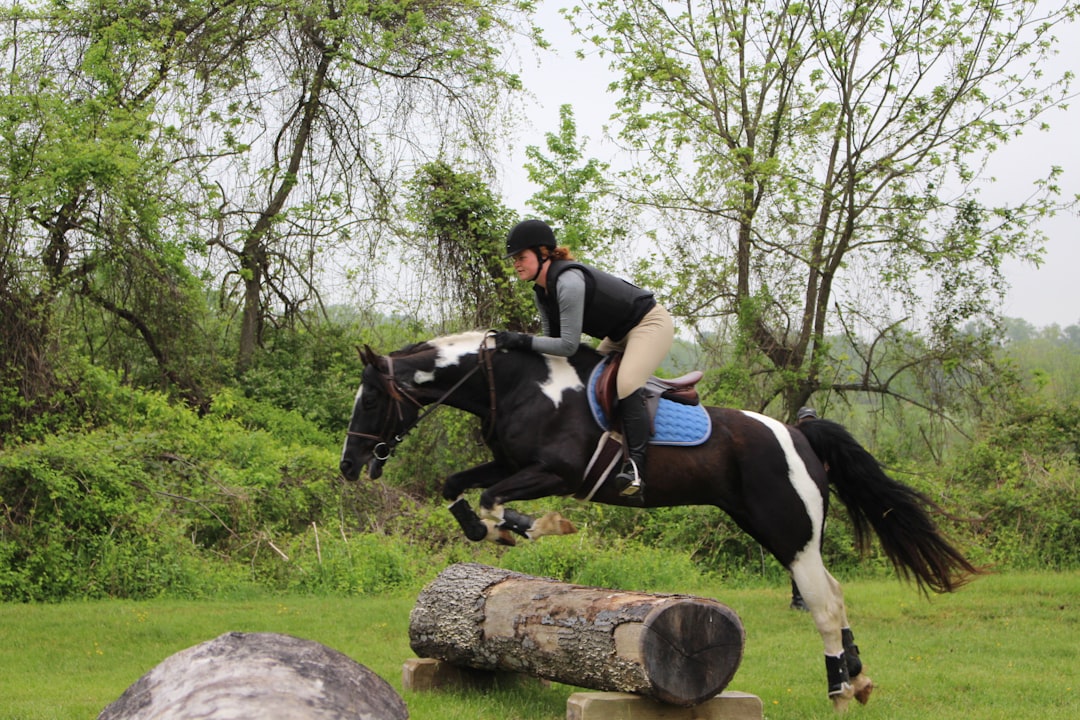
{"points": [[258, 675], [678, 649]]}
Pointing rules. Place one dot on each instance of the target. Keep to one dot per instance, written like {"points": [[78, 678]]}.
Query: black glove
{"points": [[508, 340]]}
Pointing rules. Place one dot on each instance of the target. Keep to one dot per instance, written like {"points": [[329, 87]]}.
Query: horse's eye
{"points": [[368, 401]]}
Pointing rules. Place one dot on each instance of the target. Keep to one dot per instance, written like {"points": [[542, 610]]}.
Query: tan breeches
{"points": [[644, 349]]}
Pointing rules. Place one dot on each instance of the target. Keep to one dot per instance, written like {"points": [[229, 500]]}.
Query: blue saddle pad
{"points": [[675, 423]]}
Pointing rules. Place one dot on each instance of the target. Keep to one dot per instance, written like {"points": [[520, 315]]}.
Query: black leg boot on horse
{"points": [[637, 429]]}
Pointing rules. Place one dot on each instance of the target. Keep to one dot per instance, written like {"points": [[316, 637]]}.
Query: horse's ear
{"points": [[367, 355]]}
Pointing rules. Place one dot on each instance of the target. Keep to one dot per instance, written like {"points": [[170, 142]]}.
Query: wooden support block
{"points": [[728, 705]]}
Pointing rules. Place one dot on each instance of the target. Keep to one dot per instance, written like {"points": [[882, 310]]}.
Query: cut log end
{"points": [[691, 649]]}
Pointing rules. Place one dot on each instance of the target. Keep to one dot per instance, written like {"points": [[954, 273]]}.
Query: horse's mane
{"points": [[474, 337], [410, 349], [469, 337]]}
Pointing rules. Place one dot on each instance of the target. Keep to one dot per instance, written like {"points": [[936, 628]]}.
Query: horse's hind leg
{"points": [[825, 600], [860, 683], [496, 523], [550, 523]]}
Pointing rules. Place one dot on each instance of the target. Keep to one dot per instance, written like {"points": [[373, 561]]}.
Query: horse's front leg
{"points": [[496, 523], [474, 527], [481, 476]]}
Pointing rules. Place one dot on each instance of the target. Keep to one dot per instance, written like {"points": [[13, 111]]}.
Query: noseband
{"points": [[387, 439]]}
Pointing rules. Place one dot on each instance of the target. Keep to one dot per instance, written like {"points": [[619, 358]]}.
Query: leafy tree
{"points": [[334, 102], [1048, 358], [571, 191], [242, 138], [81, 177], [462, 226], [460, 237], [818, 164]]}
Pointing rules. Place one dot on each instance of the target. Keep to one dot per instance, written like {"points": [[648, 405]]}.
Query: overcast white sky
{"points": [[1047, 295]]}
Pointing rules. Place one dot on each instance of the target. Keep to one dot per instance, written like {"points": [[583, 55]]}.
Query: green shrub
{"points": [[139, 507], [585, 560], [1020, 487], [132, 495], [448, 441], [328, 563], [312, 373]]}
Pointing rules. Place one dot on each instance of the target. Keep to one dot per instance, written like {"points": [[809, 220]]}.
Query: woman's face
{"points": [[526, 264]]}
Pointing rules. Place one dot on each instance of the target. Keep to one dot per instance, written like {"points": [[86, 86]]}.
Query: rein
{"points": [[387, 440]]}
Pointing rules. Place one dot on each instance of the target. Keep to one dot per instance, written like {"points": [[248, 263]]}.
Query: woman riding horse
{"points": [[774, 480], [573, 297]]}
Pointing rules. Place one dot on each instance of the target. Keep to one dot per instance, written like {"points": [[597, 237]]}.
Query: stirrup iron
{"points": [[629, 483]]}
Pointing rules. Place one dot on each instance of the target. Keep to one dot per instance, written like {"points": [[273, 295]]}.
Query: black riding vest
{"points": [[613, 306]]}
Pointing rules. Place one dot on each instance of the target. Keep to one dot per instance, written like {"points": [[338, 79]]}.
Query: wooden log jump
{"points": [[677, 649]]}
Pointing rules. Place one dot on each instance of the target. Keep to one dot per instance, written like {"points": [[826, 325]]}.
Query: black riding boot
{"points": [[636, 431]]}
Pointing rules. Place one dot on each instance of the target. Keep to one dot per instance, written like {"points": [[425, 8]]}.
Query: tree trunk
{"points": [[673, 648], [251, 317], [255, 246]]}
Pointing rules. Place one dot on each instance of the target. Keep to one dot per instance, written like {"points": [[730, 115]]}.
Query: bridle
{"points": [[388, 438]]}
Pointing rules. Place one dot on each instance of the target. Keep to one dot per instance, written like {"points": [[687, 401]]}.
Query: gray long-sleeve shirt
{"points": [[571, 301]]}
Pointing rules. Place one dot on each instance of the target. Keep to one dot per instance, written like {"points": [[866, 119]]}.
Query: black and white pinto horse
{"points": [[773, 479]]}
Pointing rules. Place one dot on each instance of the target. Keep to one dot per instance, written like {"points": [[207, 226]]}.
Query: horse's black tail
{"points": [[898, 514]]}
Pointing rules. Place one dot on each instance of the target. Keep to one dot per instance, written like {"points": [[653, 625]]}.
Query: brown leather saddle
{"points": [[610, 451], [680, 389]]}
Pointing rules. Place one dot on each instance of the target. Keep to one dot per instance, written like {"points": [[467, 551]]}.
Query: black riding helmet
{"points": [[529, 234]]}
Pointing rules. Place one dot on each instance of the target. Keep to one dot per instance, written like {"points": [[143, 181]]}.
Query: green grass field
{"points": [[1007, 646]]}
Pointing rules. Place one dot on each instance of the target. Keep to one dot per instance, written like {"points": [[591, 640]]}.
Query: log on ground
{"points": [[678, 649], [258, 675]]}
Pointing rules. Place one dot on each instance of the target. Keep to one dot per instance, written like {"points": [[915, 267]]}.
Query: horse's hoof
{"points": [[842, 699], [552, 523], [863, 687]]}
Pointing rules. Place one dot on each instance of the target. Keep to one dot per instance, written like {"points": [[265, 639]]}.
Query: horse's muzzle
{"points": [[348, 470], [351, 471]]}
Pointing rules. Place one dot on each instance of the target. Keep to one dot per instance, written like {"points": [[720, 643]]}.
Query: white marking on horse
{"points": [[449, 351], [561, 377], [356, 404], [798, 474], [819, 589], [452, 348]]}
